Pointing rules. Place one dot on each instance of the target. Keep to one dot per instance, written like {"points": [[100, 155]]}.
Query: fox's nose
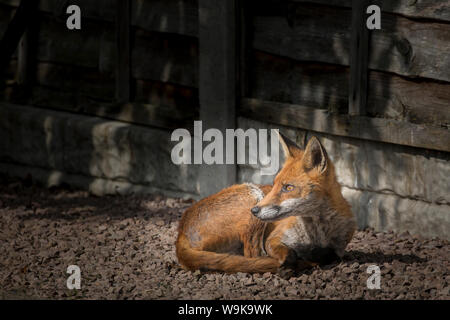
{"points": [[255, 210]]}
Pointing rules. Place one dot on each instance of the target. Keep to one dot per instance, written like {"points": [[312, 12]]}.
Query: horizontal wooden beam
{"points": [[430, 9], [146, 114], [175, 17], [143, 114], [326, 86], [375, 129], [174, 58]]}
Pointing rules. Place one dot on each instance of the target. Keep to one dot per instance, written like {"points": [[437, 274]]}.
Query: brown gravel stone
{"points": [[124, 246]]}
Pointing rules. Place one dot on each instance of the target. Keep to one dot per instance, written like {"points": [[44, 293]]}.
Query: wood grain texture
{"points": [[157, 56], [165, 57], [382, 130], [172, 16], [156, 112], [431, 9], [82, 80], [315, 85], [325, 86], [413, 101], [308, 33], [181, 16], [304, 33]]}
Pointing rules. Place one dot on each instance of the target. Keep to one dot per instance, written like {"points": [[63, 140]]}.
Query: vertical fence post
{"points": [[23, 59], [245, 35], [123, 50], [14, 33], [218, 21], [27, 49], [359, 59]]}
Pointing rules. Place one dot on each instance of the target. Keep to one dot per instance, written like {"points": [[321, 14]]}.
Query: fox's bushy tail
{"points": [[193, 259]]}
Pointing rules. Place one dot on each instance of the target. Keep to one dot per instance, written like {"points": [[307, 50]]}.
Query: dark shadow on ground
{"points": [[379, 257]]}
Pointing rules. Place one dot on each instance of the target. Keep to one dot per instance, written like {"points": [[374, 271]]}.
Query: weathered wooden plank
{"points": [[312, 36], [181, 16], [143, 114], [97, 86], [88, 82], [410, 48], [359, 58], [81, 48], [160, 56], [325, 86], [104, 10], [82, 80], [163, 114], [431, 9], [403, 46], [383, 130], [419, 102], [123, 51], [315, 85], [167, 95], [86, 87], [172, 16], [166, 58], [217, 84]]}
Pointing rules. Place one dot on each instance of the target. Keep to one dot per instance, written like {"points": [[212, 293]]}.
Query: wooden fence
{"points": [[305, 64], [132, 61]]}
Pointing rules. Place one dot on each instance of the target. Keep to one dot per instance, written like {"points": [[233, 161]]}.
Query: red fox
{"points": [[302, 219]]}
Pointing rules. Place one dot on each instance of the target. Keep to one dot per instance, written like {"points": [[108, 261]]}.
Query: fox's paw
{"points": [[286, 273], [302, 265], [324, 255], [288, 267]]}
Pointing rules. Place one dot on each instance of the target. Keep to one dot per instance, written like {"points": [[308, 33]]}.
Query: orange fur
{"points": [[218, 224]]}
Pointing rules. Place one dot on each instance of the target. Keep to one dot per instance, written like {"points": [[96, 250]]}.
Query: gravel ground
{"points": [[124, 246]]}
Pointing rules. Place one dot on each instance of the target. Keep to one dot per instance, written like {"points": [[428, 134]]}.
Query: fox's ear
{"points": [[315, 156], [290, 148]]}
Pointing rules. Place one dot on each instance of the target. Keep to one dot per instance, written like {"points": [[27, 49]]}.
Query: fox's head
{"points": [[303, 185]]}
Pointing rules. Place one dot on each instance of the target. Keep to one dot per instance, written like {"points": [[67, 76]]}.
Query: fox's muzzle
{"points": [[271, 212]]}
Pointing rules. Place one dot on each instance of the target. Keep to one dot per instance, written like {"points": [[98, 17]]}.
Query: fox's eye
{"points": [[287, 188]]}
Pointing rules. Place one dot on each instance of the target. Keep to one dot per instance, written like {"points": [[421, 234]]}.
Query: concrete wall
{"points": [[92, 153], [389, 187]]}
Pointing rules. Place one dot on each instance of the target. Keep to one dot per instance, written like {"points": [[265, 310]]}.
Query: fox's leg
{"points": [[251, 251], [286, 257], [252, 238], [278, 250]]}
